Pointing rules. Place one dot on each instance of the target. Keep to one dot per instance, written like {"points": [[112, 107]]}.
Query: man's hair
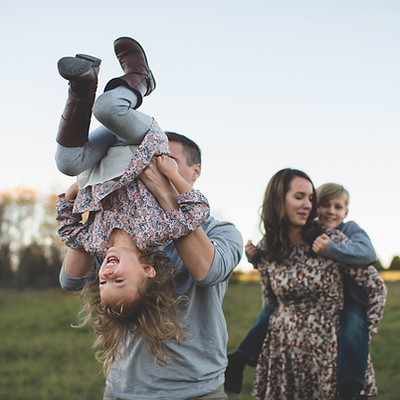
{"points": [[329, 191], [191, 149]]}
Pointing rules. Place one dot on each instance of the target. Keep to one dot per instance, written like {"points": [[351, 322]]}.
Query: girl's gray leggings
{"points": [[122, 126]]}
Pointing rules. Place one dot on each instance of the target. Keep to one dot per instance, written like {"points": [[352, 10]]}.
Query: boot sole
{"points": [[94, 60], [73, 67]]}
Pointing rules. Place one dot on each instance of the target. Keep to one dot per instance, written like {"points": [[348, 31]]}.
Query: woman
{"points": [[299, 355]]}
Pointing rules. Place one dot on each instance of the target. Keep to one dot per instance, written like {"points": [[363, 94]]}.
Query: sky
{"points": [[260, 85]]}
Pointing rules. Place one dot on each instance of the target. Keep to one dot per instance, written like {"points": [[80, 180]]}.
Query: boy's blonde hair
{"points": [[329, 191], [154, 315]]}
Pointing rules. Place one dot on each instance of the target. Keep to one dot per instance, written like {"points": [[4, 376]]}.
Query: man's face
{"points": [[189, 173]]}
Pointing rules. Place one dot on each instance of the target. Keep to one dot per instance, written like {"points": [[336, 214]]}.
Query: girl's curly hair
{"points": [[154, 315]]}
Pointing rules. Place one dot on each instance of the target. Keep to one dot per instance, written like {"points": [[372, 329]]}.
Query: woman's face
{"points": [[298, 201], [121, 274]]}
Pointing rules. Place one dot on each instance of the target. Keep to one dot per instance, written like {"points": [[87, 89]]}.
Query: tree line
{"points": [[31, 252]]}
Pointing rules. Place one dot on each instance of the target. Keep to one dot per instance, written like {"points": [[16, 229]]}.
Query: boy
{"points": [[333, 200]]}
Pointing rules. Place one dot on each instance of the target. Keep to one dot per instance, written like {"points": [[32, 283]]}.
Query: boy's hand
{"points": [[252, 251], [320, 244]]}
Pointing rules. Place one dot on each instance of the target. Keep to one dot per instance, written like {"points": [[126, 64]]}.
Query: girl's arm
{"points": [[169, 168], [73, 233], [195, 249]]}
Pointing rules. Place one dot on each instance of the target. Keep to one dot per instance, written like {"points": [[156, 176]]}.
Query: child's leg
{"points": [[352, 349], [248, 350], [81, 71], [138, 76], [74, 160], [115, 109], [251, 346]]}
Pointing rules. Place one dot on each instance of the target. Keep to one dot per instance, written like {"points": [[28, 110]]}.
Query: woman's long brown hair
{"points": [[274, 223]]}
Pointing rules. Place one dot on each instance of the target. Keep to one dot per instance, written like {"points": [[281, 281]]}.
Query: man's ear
{"points": [[196, 171], [347, 211], [149, 270]]}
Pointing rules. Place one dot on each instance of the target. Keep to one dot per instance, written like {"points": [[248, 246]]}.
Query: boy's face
{"points": [[331, 213]]}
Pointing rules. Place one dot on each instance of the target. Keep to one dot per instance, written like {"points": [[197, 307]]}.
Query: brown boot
{"points": [[81, 71], [138, 76]]}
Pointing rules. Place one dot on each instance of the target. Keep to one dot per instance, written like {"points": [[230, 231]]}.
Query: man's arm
{"points": [[77, 264], [195, 250], [359, 252]]}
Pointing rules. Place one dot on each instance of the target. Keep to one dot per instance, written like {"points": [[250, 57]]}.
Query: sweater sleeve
{"points": [[228, 244], [358, 252]]}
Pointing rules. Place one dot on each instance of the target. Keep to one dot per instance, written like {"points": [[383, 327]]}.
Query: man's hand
{"points": [[71, 192], [320, 244], [159, 186]]}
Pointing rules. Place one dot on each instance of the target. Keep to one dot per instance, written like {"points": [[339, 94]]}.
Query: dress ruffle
{"points": [[154, 143]]}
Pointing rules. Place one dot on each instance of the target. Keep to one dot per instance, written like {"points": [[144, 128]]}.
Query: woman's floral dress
{"points": [[125, 203], [298, 359]]}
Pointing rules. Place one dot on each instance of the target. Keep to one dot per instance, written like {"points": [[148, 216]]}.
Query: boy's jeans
{"points": [[353, 344]]}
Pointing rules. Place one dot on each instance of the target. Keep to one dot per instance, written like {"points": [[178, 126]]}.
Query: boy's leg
{"points": [[352, 349], [74, 160], [251, 346], [248, 350], [115, 109]]}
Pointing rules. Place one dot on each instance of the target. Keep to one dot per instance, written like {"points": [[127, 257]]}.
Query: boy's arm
{"points": [[359, 252]]}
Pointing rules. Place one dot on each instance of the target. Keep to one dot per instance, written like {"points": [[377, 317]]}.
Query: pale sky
{"points": [[260, 85]]}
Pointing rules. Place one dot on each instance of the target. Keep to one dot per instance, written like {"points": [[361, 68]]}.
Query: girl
{"points": [[125, 222], [299, 355]]}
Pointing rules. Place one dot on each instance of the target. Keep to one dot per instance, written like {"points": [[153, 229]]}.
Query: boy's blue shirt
{"points": [[359, 252]]}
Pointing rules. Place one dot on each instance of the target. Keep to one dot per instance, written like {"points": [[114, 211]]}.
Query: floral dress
{"points": [[299, 355], [125, 203]]}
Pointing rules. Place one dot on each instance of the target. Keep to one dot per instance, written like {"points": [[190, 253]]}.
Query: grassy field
{"points": [[43, 358]]}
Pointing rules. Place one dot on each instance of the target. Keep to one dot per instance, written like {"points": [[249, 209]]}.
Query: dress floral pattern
{"points": [[125, 203], [298, 359]]}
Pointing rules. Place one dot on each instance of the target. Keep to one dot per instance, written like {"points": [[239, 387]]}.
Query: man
{"points": [[204, 261]]}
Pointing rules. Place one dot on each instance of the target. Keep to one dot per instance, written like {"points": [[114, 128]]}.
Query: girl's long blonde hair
{"points": [[154, 315]]}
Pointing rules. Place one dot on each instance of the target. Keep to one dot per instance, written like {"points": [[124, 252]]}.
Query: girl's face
{"points": [[298, 201], [121, 275], [331, 213]]}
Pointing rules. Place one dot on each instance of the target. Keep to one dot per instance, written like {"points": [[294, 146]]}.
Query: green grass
{"points": [[43, 358], [242, 304]]}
